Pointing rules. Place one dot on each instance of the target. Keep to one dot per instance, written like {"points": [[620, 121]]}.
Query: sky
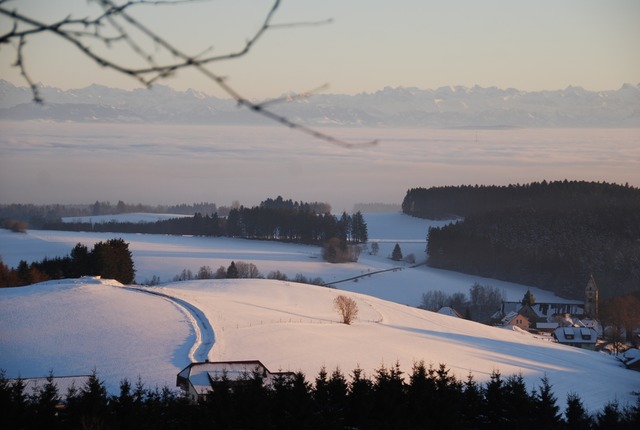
{"points": [[368, 45]]}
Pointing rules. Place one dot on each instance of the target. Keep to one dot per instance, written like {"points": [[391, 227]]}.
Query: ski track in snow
{"points": [[205, 336]]}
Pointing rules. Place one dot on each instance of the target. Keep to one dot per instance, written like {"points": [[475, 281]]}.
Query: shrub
{"points": [[346, 307]]}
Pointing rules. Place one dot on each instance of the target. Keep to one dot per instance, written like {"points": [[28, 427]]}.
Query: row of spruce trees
{"points": [[429, 398], [264, 222]]}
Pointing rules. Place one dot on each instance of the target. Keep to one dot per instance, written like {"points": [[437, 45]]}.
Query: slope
{"points": [[74, 326]]}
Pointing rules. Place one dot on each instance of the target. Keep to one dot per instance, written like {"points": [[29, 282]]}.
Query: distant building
{"points": [[197, 380], [580, 337], [631, 359], [545, 310], [446, 310], [591, 299], [547, 316], [516, 319]]}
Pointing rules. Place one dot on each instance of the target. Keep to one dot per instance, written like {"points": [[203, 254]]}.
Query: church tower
{"points": [[591, 299]]}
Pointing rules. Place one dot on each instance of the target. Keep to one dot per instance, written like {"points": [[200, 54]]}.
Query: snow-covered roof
{"points": [[545, 310], [547, 326], [508, 317], [446, 310], [576, 335], [631, 357], [202, 375]]}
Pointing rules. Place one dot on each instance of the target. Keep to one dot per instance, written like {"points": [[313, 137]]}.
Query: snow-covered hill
{"points": [[74, 326], [458, 106]]}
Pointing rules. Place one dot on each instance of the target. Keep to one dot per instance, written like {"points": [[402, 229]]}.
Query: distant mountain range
{"points": [[446, 107]]}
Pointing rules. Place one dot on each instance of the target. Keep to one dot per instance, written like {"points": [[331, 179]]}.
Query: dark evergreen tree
{"points": [[45, 402], [88, 407], [337, 389], [13, 400], [344, 228], [546, 411], [422, 395], [113, 260], [396, 254], [291, 402], [389, 404], [232, 271], [80, 261], [528, 299], [494, 411], [359, 228], [517, 403], [576, 415], [610, 417], [360, 401], [473, 403]]}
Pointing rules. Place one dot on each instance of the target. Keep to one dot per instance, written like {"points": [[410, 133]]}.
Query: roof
{"points": [[585, 335], [544, 310], [508, 319], [631, 357], [446, 310], [201, 376], [547, 325]]}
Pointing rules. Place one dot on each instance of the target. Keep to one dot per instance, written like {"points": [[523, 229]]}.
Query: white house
{"points": [[199, 379], [580, 337]]}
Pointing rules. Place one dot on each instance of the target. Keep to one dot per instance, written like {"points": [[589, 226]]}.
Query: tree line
{"points": [[110, 259], [429, 397], [552, 235], [482, 302], [37, 216], [237, 270], [265, 222]]}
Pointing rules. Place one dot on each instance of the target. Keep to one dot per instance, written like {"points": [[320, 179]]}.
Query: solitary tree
{"points": [[232, 271], [396, 254], [346, 307]]}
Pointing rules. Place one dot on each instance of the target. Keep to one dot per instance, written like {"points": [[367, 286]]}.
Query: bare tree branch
{"points": [[23, 71], [111, 27]]}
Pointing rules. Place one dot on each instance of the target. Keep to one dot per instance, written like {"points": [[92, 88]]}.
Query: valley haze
{"points": [[162, 146]]}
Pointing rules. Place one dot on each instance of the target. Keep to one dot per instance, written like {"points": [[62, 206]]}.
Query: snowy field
{"points": [[74, 326], [167, 256]]}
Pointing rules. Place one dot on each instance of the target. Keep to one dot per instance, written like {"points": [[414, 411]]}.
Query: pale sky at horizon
{"points": [[369, 45]]}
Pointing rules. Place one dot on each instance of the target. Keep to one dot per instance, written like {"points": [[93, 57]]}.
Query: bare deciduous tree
{"points": [[346, 307], [117, 30]]}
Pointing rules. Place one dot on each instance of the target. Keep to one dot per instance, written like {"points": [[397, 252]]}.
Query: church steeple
{"points": [[591, 299]]}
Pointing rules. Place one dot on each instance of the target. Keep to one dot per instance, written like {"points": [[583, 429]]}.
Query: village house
{"points": [[197, 380], [631, 359], [548, 317], [580, 337], [516, 319]]}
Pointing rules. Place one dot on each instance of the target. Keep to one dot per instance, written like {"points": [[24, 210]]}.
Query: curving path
{"points": [[205, 336]]}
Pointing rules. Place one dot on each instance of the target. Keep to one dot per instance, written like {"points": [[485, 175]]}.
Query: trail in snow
{"points": [[205, 336]]}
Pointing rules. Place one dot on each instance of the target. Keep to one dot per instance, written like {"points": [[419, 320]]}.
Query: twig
{"points": [[74, 31]]}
